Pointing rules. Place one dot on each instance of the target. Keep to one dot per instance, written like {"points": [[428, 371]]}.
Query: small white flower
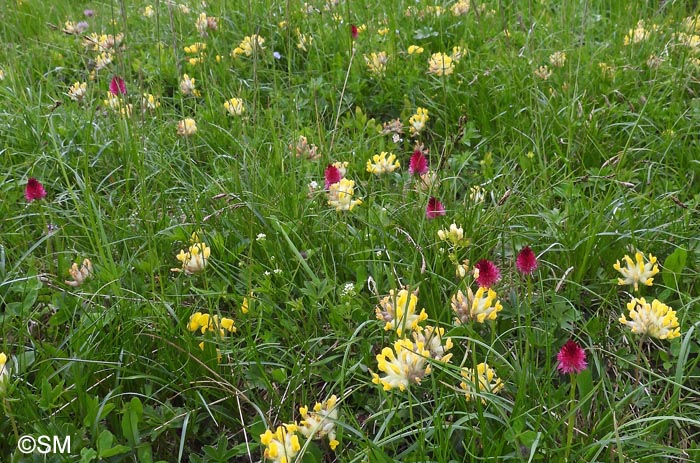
{"points": [[261, 237]]}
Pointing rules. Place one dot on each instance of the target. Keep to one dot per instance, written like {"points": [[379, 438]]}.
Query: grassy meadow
{"points": [[350, 230]]}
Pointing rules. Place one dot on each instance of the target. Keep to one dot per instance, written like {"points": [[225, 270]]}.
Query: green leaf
{"points": [[673, 266], [130, 421], [105, 448]]}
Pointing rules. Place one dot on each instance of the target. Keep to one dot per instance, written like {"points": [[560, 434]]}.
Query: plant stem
{"points": [[572, 417]]}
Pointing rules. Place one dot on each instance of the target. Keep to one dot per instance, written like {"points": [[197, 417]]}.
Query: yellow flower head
{"points": [[478, 307], [415, 50], [304, 41], [211, 323], [321, 421], [557, 59], [376, 62], [197, 47], [432, 338], [341, 194], [234, 107], [656, 320], [637, 272], [249, 45], [458, 53], [403, 365], [187, 127], [483, 380], [282, 445], [383, 163], [77, 91], [460, 8], [194, 260], [455, 235], [440, 64], [4, 372], [417, 121], [187, 86], [148, 11], [103, 60], [543, 72], [79, 274], [399, 311], [149, 102], [636, 35]]}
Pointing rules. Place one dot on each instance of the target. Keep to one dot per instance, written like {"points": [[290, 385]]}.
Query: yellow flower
{"points": [[557, 59], [187, 127], [249, 45], [403, 365], [202, 24], [382, 164], [103, 60], [282, 445], [478, 307], [321, 421], [376, 62], [211, 323], [440, 65], [484, 380], [460, 8], [304, 41], [543, 72], [77, 91], [415, 50], [4, 372], [432, 339], [455, 235], [399, 311], [639, 272], [656, 320], [340, 195], [417, 121], [477, 193], [2, 74], [636, 35], [195, 259], [196, 47], [383, 31], [187, 86], [148, 101], [457, 53], [234, 107], [79, 274], [148, 11], [342, 167]]}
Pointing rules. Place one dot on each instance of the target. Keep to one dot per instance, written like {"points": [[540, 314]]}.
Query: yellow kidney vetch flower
{"points": [[320, 422], [415, 50], [376, 62], [484, 379], [399, 311], [186, 128], [404, 364], [656, 319], [637, 272], [282, 445], [454, 235], [478, 307], [440, 64], [77, 91], [79, 274], [234, 107], [248, 46], [341, 194], [417, 121], [432, 339], [383, 163]]}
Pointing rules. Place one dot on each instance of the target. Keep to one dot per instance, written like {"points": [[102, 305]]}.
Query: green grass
{"points": [[584, 167]]}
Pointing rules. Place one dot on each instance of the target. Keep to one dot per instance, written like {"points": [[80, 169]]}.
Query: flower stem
{"points": [[572, 417], [8, 412]]}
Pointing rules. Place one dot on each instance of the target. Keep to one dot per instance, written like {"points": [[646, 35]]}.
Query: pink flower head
{"points": [[418, 164], [353, 31], [488, 273], [572, 358], [332, 175], [34, 190], [434, 208], [117, 86], [526, 262], [89, 13]]}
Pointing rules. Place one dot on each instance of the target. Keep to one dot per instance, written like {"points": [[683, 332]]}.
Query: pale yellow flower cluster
{"points": [[341, 195], [248, 46], [382, 163], [376, 62]]}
